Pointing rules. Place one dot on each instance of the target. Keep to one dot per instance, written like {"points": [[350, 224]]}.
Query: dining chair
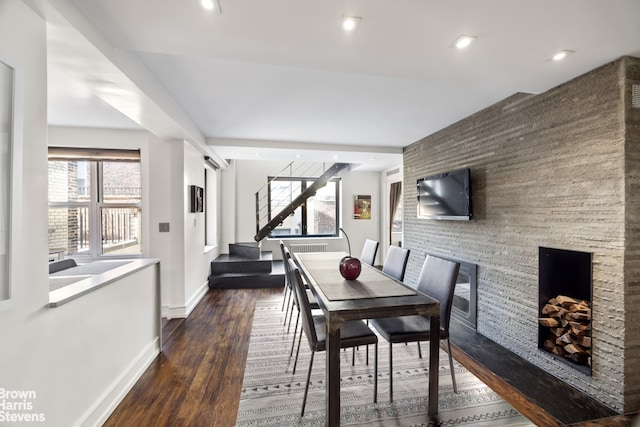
{"points": [[369, 251], [395, 264], [286, 298], [437, 279], [313, 302], [352, 333]]}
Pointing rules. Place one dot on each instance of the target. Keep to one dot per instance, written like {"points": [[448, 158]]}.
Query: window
{"points": [[397, 218], [94, 206], [317, 217], [210, 215], [11, 117]]}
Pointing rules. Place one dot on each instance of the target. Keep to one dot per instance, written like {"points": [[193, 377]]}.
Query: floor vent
{"points": [[308, 247]]}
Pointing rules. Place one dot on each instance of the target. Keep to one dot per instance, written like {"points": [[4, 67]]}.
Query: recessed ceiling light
{"points": [[207, 4], [350, 23], [560, 55], [463, 41]]}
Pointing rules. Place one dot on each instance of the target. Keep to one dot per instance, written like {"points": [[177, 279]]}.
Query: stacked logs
{"points": [[569, 323]]}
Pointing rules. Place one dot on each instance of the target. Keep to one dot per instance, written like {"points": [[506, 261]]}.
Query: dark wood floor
{"points": [[197, 379]]}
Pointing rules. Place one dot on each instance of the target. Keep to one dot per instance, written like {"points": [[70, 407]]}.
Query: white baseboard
{"points": [[98, 413], [197, 297], [182, 312]]}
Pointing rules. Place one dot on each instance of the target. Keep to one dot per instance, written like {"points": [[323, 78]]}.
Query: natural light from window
{"points": [[317, 217], [94, 208]]}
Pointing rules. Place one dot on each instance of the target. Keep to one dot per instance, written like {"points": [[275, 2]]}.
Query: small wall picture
{"points": [[362, 207], [197, 199]]}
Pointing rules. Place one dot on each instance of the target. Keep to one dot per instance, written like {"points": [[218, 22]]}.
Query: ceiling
{"points": [[280, 79]]}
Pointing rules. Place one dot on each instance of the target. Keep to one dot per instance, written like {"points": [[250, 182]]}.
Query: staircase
{"points": [[262, 205], [246, 267]]}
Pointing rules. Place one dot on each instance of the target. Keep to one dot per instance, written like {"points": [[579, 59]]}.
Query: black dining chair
{"points": [[395, 264], [313, 303], [369, 251], [288, 290], [352, 333], [437, 279]]}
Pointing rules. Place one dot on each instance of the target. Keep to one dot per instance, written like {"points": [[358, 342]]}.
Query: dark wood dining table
{"points": [[372, 295]]}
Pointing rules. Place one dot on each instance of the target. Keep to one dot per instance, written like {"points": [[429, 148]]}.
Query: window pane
{"points": [[121, 182], [69, 230], [121, 231], [321, 210], [69, 181], [281, 194], [397, 218]]}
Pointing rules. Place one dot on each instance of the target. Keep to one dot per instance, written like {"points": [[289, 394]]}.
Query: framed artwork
{"points": [[197, 199], [362, 207], [11, 125]]}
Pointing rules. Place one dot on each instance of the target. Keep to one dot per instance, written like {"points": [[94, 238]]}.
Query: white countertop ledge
{"points": [[94, 282]]}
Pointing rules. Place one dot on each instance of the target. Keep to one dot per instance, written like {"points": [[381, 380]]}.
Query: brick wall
{"points": [[60, 178], [547, 170]]}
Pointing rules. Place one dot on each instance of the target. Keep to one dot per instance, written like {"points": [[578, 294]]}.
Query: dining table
{"points": [[373, 294]]}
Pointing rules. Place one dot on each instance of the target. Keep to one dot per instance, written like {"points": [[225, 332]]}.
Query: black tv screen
{"points": [[445, 196]]}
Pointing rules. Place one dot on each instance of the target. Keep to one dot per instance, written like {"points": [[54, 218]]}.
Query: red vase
{"points": [[350, 267]]}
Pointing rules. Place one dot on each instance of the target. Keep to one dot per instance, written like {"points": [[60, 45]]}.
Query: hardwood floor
{"points": [[197, 379]]}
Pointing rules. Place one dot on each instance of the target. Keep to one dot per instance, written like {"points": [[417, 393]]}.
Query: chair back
{"points": [[284, 251], [288, 272], [395, 264], [369, 251], [303, 303], [438, 280]]}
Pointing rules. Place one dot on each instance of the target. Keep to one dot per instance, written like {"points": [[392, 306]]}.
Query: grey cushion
{"points": [[62, 264]]}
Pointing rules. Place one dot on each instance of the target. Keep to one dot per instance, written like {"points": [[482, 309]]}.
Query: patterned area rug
{"points": [[272, 394]]}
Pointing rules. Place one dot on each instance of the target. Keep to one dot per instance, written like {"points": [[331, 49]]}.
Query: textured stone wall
{"points": [[547, 170], [632, 250]]}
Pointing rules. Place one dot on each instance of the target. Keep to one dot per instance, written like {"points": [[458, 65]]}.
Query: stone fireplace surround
{"points": [[556, 169]]}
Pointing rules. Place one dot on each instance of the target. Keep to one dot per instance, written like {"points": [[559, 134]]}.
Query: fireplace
{"points": [[564, 302], [465, 299]]}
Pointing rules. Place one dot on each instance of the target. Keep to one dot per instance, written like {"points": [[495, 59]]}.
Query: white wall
{"points": [[362, 183], [77, 358], [162, 245], [228, 207], [196, 260], [189, 259], [244, 177], [168, 168]]}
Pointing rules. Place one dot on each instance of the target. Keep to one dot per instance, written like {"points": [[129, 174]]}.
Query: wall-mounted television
{"points": [[445, 196]]}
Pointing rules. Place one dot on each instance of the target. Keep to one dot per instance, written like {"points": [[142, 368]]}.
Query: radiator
{"points": [[308, 247]]}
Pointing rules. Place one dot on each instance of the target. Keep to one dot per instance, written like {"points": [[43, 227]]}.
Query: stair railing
{"points": [[264, 216]]}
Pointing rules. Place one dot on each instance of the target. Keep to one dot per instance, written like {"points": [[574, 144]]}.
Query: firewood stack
{"points": [[569, 323]]}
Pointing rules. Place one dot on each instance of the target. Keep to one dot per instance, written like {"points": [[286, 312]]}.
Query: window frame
{"points": [[10, 275], [210, 195], [95, 207], [304, 182]]}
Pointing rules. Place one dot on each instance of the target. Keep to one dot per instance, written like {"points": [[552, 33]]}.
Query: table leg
{"points": [[333, 374], [434, 364]]}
